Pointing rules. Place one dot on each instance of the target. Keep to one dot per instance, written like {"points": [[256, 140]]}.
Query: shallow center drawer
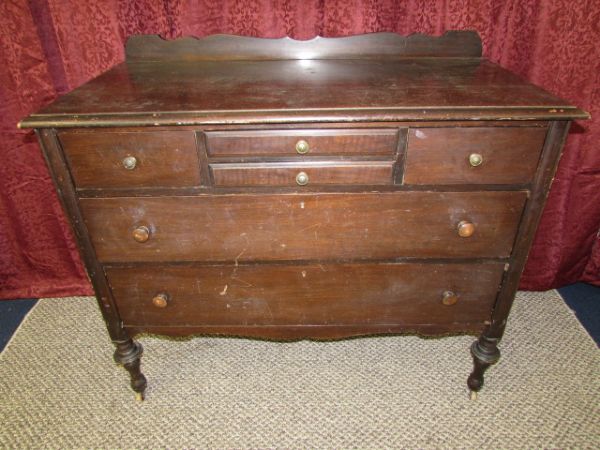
{"points": [[304, 226], [329, 142], [307, 173]]}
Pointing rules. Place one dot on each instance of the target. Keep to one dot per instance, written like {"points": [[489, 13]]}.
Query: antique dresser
{"points": [[318, 189]]}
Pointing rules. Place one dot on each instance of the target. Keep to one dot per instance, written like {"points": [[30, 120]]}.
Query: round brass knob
{"points": [[465, 229], [160, 300], [302, 146], [475, 159], [302, 179], [129, 162], [141, 234], [449, 298]]}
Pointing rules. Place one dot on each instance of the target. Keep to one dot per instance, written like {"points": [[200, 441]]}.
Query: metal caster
{"points": [[473, 395], [139, 396]]}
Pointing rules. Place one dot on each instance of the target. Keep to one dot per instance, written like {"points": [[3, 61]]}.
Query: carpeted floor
{"points": [[59, 388]]}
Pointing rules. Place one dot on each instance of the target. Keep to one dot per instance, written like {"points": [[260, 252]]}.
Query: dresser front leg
{"points": [[485, 353], [128, 354]]}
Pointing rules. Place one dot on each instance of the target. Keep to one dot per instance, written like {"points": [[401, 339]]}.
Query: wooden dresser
{"points": [[315, 189]]}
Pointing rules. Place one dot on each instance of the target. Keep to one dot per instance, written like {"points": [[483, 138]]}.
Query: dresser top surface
{"points": [[168, 88]]}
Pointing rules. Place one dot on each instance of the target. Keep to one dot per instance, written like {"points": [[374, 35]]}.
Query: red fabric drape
{"points": [[49, 47]]}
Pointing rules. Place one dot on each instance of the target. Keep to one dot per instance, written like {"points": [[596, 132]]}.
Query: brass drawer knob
{"points": [[449, 298], [160, 300], [129, 162], [141, 234], [475, 159], [302, 147], [302, 179], [465, 229]]}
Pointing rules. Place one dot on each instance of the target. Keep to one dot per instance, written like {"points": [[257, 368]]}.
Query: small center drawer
{"points": [[293, 174], [330, 142], [114, 159]]}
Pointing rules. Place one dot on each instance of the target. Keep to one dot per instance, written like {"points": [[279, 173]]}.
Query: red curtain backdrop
{"points": [[48, 47]]}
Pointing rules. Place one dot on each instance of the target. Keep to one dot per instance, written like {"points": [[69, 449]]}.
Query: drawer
{"points": [[491, 155], [304, 226], [307, 294], [366, 142], [108, 159], [294, 174]]}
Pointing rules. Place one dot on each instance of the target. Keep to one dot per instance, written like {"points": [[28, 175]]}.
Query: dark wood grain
{"points": [[210, 234], [372, 142], [320, 332], [340, 125], [318, 173], [533, 213], [466, 44], [311, 226], [296, 91], [485, 350], [165, 158], [323, 188], [400, 156], [66, 193], [128, 354], [307, 295], [441, 155]]}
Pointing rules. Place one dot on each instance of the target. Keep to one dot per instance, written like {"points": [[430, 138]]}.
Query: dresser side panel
{"points": [[555, 139], [63, 182]]}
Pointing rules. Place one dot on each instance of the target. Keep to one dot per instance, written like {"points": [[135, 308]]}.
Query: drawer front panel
{"points": [[376, 142], [312, 294], [500, 155], [303, 226], [293, 174], [105, 159]]}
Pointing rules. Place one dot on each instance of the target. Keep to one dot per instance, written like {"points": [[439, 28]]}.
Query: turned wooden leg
{"points": [[485, 353], [128, 354]]}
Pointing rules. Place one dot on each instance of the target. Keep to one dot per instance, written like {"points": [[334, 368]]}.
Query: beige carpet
{"points": [[60, 389]]}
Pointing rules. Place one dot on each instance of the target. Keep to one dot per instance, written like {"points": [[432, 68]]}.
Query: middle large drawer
{"points": [[330, 226]]}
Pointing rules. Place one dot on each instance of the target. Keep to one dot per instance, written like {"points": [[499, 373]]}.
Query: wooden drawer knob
{"points": [[449, 298], [475, 159], [465, 229], [302, 179], [129, 162], [160, 300], [141, 234], [302, 147]]}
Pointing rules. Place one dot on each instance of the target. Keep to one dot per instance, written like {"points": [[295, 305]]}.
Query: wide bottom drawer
{"points": [[305, 295]]}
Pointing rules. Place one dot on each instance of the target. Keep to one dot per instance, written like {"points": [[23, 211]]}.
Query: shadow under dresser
{"points": [[317, 189]]}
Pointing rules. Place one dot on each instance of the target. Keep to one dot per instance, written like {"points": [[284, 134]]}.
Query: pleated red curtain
{"points": [[48, 47]]}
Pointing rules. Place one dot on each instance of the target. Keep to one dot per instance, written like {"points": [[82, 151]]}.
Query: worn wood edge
{"points": [[532, 214], [308, 332], [403, 261], [300, 116], [198, 191], [329, 126], [371, 45], [65, 188], [292, 164]]}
